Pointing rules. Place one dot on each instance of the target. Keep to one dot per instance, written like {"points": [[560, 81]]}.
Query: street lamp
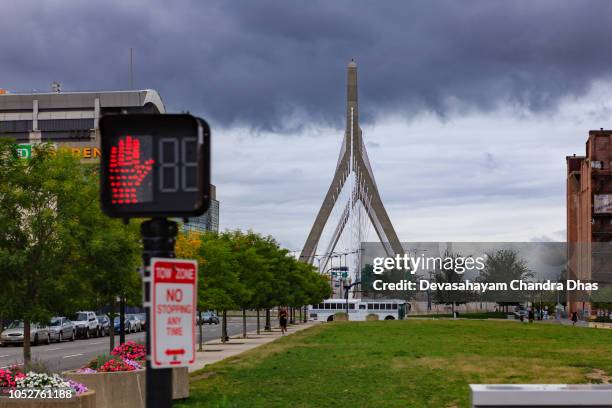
{"points": [[347, 288], [429, 292]]}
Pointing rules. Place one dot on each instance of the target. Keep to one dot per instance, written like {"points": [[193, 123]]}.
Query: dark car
{"points": [[104, 325], [126, 324]]}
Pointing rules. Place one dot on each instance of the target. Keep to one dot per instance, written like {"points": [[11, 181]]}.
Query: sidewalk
{"points": [[215, 350]]}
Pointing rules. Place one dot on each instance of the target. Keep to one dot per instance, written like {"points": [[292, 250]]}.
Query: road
{"points": [[71, 355]]}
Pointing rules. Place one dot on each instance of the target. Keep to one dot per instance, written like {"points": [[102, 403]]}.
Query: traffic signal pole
{"points": [[158, 238]]}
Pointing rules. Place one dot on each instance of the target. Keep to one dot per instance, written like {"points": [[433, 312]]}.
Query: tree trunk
{"points": [[258, 321], [244, 330], [224, 337], [122, 320], [27, 351], [268, 326], [291, 319], [305, 314], [200, 325], [111, 315]]}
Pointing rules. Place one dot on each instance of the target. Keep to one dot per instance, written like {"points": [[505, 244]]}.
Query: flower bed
{"points": [[14, 380], [119, 378], [129, 356]]}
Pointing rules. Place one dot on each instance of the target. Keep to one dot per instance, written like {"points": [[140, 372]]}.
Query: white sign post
{"points": [[174, 302]]}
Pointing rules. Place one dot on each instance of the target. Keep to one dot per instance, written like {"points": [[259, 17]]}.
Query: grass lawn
{"points": [[475, 315], [414, 363]]}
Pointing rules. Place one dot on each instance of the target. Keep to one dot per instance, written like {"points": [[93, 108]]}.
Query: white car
{"points": [[14, 334], [86, 324]]}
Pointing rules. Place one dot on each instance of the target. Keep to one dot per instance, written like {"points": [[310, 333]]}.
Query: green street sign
{"points": [[24, 151]]}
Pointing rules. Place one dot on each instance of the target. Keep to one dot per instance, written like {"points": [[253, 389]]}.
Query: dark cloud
{"points": [[277, 65]]}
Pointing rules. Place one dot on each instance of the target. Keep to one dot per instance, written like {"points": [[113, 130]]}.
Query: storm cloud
{"points": [[279, 66]]}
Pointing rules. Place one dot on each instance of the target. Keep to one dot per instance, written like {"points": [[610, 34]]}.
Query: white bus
{"points": [[359, 309]]}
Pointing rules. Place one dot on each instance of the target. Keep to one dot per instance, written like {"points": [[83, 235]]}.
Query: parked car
{"points": [[135, 325], [14, 334], [520, 312], [86, 324], [210, 318], [104, 326], [143, 320], [126, 324], [61, 328]]}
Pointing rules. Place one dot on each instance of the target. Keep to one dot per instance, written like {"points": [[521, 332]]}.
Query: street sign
{"points": [[24, 151], [154, 165], [173, 312]]}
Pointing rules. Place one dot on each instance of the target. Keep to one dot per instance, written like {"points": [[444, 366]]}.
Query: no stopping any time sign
{"points": [[174, 302]]}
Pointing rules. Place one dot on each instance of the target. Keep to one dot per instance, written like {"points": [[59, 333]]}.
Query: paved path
{"points": [[216, 351], [71, 355]]}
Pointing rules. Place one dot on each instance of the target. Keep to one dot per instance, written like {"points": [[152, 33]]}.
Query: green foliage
{"points": [[58, 252], [443, 275], [505, 265], [249, 271]]}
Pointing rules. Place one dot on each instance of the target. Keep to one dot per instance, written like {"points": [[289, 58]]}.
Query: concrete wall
{"points": [[126, 389]]}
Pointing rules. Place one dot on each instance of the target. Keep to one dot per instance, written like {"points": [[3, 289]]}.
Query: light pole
{"points": [[347, 288], [429, 292]]}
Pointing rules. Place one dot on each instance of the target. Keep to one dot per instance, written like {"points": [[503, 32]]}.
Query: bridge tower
{"points": [[353, 162]]}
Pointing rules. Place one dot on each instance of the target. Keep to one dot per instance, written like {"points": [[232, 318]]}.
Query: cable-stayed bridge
{"points": [[352, 206]]}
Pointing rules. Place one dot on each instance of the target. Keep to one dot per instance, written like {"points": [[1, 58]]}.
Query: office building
{"points": [[69, 119], [589, 218]]}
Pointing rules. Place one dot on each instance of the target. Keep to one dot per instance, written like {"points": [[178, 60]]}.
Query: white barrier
{"points": [[541, 395]]}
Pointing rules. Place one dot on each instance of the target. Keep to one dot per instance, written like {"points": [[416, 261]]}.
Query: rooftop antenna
{"points": [[131, 68]]}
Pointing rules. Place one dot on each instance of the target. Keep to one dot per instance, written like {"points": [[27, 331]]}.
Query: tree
{"points": [[504, 266], [113, 253], [450, 275], [250, 267], [218, 282], [41, 205]]}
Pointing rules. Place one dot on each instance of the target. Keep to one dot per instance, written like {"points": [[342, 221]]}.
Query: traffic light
{"points": [[154, 165]]}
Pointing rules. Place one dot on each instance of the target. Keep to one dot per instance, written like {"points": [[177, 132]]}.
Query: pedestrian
{"points": [[531, 316], [282, 318], [574, 318]]}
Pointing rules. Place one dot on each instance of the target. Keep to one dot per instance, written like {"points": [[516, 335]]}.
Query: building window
{"points": [[15, 126]]}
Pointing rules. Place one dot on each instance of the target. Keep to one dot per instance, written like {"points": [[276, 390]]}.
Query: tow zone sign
{"points": [[174, 300]]}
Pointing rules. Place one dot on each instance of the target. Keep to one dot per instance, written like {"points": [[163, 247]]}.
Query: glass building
{"points": [[209, 221]]}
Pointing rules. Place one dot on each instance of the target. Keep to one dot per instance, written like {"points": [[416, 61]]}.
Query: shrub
{"points": [[9, 377], [113, 365], [99, 361], [41, 380], [130, 351], [128, 356]]}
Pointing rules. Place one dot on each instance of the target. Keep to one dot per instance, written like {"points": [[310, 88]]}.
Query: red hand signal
{"points": [[126, 171]]}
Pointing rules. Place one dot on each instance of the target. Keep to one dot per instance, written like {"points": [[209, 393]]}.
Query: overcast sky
{"points": [[468, 107]]}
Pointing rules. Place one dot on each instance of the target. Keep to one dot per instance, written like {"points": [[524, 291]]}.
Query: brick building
{"points": [[589, 217]]}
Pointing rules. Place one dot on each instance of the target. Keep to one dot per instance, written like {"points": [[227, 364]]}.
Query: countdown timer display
{"points": [[154, 165]]}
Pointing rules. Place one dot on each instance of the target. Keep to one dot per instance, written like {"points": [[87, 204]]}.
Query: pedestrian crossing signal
{"points": [[154, 165]]}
